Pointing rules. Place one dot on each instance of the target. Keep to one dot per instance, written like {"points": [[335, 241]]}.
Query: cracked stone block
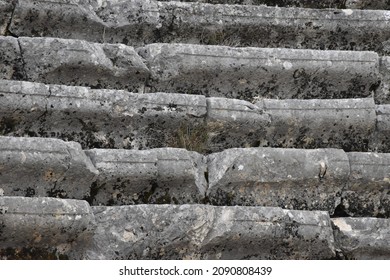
{"points": [[48, 226], [208, 232], [380, 141], [234, 123], [103, 118], [253, 73], [33, 167], [340, 123], [368, 192], [76, 62], [275, 27], [6, 9], [362, 238], [161, 176], [287, 178], [11, 65]]}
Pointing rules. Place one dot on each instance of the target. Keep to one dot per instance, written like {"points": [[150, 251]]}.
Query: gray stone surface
{"points": [[380, 139], [368, 4], [162, 176], [102, 118], [339, 123], [234, 123], [249, 73], [383, 92], [368, 192], [76, 62], [362, 238], [11, 64], [44, 167], [207, 232], [44, 222], [287, 178], [6, 9]]}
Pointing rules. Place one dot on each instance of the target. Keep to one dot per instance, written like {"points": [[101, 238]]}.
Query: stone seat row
{"points": [[53, 228], [355, 184], [140, 22], [213, 71], [119, 119]]}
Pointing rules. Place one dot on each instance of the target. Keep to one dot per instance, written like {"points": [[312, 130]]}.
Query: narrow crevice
{"points": [[8, 29], [23, 70]]}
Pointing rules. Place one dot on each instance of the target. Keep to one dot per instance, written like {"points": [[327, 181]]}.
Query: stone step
{"points": [[44, 167], [36, 228], [362, 238], [157, 176], [140, 22], [207, 232], [323, 179], [247, 73], [119, 119], [324, 4]]}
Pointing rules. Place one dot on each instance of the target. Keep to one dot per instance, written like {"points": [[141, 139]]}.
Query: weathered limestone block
{"points": [[382, 94], [102, 118], [287, 178], [44, 167], [207, 232], [76, 62], [234, 123], [368, 192], [58, 227], [11, 65], [161, 176], [275, 27], [250, 73], [362, 238], [337, 123], [381, 138], [6, 9]]}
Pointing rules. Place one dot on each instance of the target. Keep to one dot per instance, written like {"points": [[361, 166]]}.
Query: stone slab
{"points": [[11, 64], [338, 123], [161, 176], [44, 167], [368, 192], [382, 95], [363, 238], [380, 139], [207, 232], [102, 118], [44, 222], [288, 178], [251, 73], [77, 62], [6, 9]]}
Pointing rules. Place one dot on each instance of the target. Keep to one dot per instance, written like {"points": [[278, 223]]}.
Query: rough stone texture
{"points": [[249, 73], [381, 138], [102, 118], [368, 4], [207, 232], [383, 92], [60, 226], [287, 178], [44, 167], [6, 9], [234, 123], [362, 238], [11, 64], [75, 62], [339, 123], [162, 176], [368, 192]]}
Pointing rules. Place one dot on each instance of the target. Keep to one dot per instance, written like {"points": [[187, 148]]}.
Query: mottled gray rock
{"points": [[207, 232], [287, 178], [382, 95], [76, 62], [44, 167], [234, 123], [249, 73], [368, 192], [44, 223], [368, 4], [338, 123], [381, 138], [11, 65], [6, 9], [160, 176], [102, 118], [362, 238]]}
